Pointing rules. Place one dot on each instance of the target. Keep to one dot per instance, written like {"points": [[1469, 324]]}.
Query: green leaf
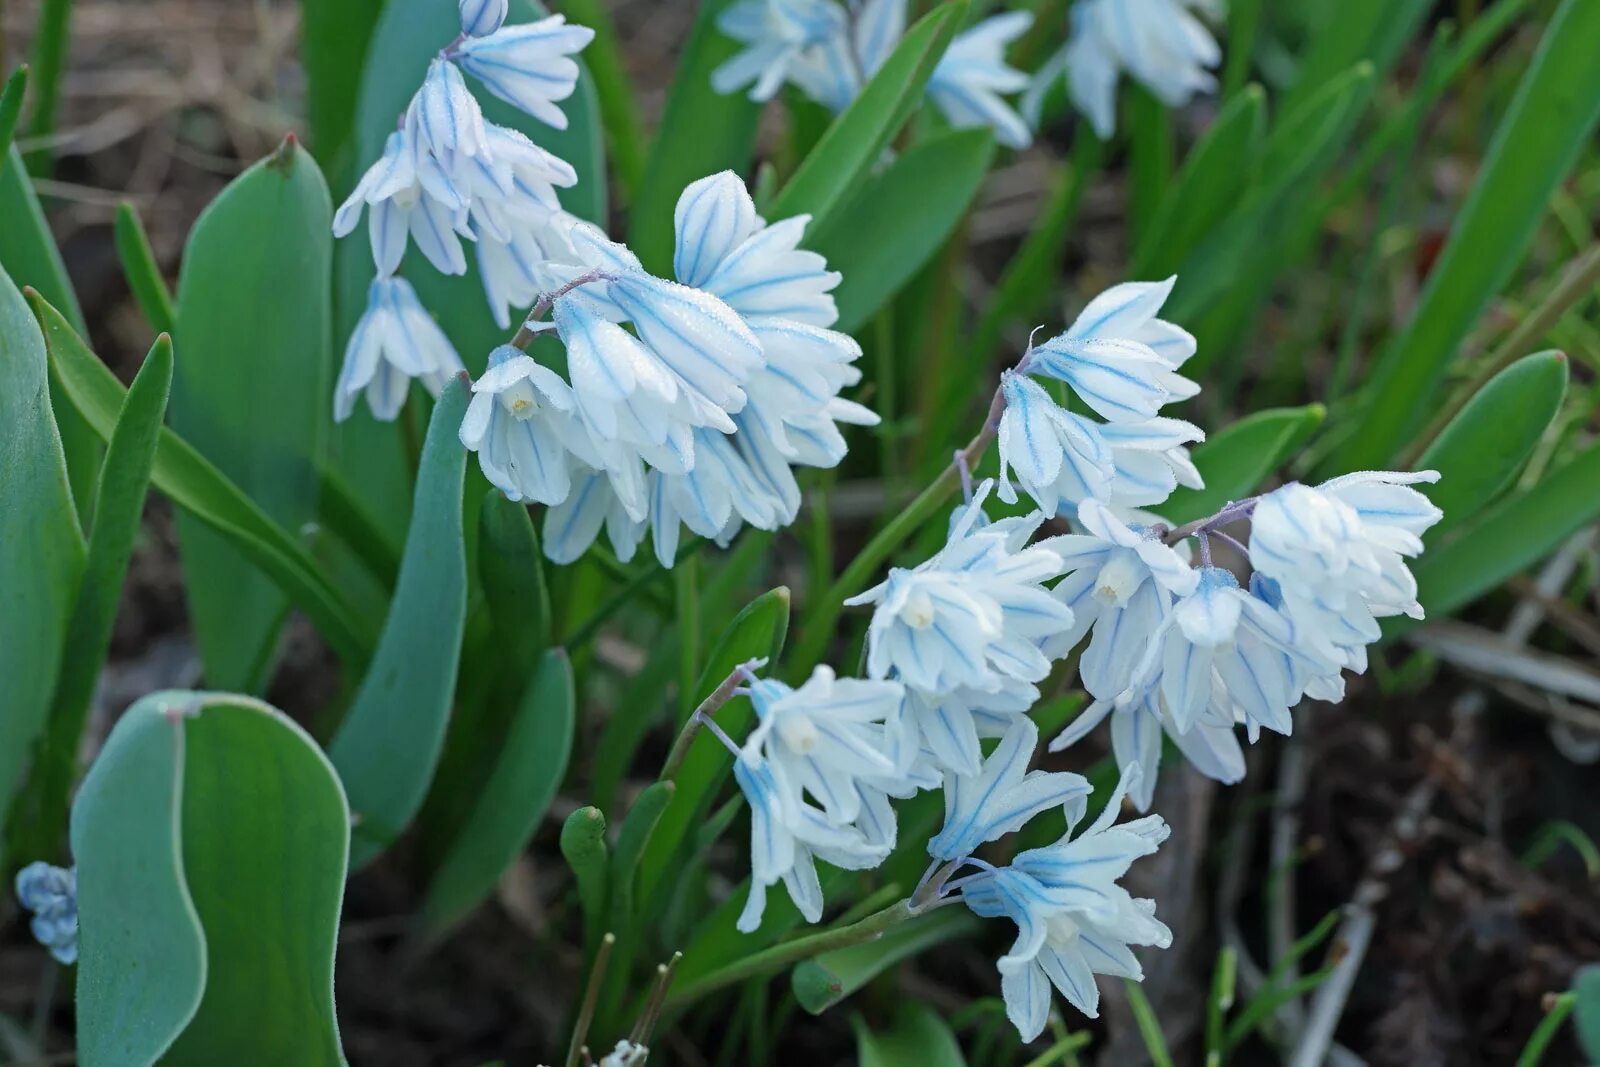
{"points": [[1216, 175], [38, 820], [1587, 986], [1546, 128], [1373, 30], [41, 546], [1516, 532], [252, 391], [333, 46], [825, 980], [511, 801], [917, 1038], [880, 237], [758, 631], [857, 138], [702, 132], [1236, 460], [1485, 447], [10, 107], [371, 455], [211, 837], [199, 488], [389, 744], [583, 844], [619, 106], [144, 275]]}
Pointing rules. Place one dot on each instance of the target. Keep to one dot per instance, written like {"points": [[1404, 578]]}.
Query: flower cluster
{"points": [[829, 49], [1158, 43], [51, 893], [448, 175], [690, 401]]}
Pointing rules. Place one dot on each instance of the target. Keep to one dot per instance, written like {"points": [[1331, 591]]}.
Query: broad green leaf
{"points": [[510, 802], [200, 489], [28, 253], [917, 1038], [1587, 1011], [859, 135], [143, 274], [333, 46], [1516, 532], [702, 132], [370, 455], [882, 235], [583, 845], [252, 391], [41, 545], [1236, 460], [758, 631], [1215, 176], [389, 744], [1487, 444], [825, 980], [1547, 126], [211, 837], [38, 820]]}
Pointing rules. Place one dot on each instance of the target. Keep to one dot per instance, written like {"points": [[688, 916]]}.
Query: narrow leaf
{"points": [[16, 88], [143, 273], [583, 844], [389, 744]]}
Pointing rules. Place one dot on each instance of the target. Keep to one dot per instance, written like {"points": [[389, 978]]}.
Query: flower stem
{"points": [[822, 616], [801, 948], [1239, 509], [546, 301], [702, 716]]}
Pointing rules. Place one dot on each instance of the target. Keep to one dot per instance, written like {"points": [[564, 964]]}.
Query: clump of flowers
{"points": [[51, 894]]}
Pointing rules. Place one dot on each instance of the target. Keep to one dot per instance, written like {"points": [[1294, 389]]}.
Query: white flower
{"points": [[626, 1054], [511, 270], [528, 66], [787, 839], [1059, 458], [774, 34], [1120, 580], [971, 616], [1158, 42], [445, 117], [513, 185], [401, 206], [479, 18], [1003, 796], [1073, 920], [51, 893], [521, 426], [395, 340], [969, 80], [821, 738], [1150, 459]]}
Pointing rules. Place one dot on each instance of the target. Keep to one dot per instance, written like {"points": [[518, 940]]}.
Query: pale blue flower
{"points": [[971, 79], [1157, 42], [971, 617], [511, 271], [529, 66], [1003, 796], [774, 34], [626, 1054], [521, 425], [479, 18], [1058, 458], [51, 894], [445, 116], [401, 207], [1073, 920], [1150, 459], [394, 341]]}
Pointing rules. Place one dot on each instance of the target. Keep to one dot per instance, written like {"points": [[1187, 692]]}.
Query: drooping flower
{"points": [[401, 207], [971, 80], [774, 34], [1158, 43], [479, 18], [394, 341], [1003, 796], [1058, 458], [529, 66], [521, 425], [51, 894]]}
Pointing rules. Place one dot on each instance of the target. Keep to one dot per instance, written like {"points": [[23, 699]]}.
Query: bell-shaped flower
{"points": [[1122, 380], [445, 118], [1129, 312], [479, 18], [944, 730], [394, 341], [820, 738], [529, 65], [51, 894], [971, 616], [787, 838], [520, 423], [971, 79], [511, 271], [1157, 42], [774, 34], [1120, 581], [571, 526], [1150, 459], [1003, 795], [1058, 458], [513, 186], [401, 207]]}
